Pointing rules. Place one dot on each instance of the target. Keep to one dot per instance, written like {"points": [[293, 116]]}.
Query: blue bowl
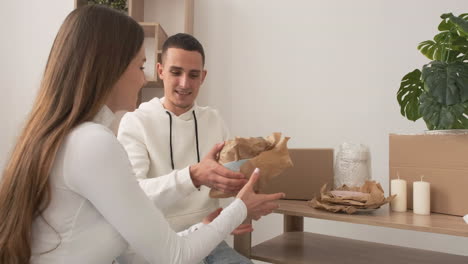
{"points": [[235, 165]]}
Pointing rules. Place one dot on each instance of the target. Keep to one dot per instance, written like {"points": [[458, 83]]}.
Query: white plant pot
{"points": [[447, 132]]}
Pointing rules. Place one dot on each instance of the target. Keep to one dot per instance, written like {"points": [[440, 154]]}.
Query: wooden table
{"points": [[296, 246]]}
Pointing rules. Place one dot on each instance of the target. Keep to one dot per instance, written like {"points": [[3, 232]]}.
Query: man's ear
{"points": [[160, 70], [204, 72]]}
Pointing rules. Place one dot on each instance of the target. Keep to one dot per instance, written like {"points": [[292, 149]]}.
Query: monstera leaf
{"points": [[460, 22], [439, 93], [461, 46], [411, 88], [447, 82], [439, 116], [440, 48], [431, 49]]}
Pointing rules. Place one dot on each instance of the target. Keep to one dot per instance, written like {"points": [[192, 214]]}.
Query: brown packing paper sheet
{"points": [[332, 208], [246, 148], [269, 154], [372, 197]]}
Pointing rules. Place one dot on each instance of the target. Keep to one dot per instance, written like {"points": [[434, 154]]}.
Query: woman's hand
{"points": [[242, 229], [258, 205], [210, 173]]}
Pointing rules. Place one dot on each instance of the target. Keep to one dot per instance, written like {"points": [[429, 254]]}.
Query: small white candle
{"points": [[398, 187], [421, 197]]}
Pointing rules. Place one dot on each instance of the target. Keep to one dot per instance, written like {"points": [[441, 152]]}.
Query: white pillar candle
{"points": [[398, 187], [421, 197]]}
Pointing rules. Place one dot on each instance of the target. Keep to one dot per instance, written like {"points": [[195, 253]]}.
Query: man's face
{"points": [[182, 74]]}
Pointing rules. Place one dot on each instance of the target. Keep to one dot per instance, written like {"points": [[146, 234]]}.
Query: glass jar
{"points": [[352, 166]]}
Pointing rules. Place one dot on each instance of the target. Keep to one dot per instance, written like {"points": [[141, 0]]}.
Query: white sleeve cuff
{"points": [[186, 179], [239, 203]]}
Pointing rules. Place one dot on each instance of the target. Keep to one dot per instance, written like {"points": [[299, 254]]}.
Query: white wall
{"points": [[323, 72], [28, 29]]}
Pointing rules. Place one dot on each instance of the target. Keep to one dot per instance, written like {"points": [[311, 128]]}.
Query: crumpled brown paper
{"points": [[269, 154], [351, 199]]}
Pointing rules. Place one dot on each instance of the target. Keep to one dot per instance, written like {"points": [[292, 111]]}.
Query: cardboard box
{"points": [[442, 159], [312, 168]]}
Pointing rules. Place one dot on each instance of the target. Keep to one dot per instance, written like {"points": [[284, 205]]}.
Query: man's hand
{"points": [[242, 229], [214, 175]]}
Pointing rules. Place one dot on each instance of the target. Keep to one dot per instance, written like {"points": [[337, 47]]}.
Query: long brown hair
{"points": [[91, 51]]}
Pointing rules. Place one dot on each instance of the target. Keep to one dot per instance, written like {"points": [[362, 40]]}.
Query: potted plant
{"points": [[439, 92], [120, 5]]}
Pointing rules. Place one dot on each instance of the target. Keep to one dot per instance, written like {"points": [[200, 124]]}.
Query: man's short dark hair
{"points": [[183, 41]]}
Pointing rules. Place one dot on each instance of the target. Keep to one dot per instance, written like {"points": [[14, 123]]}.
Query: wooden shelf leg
{"points": [[188, 25], [293, 223], [243, 243]]}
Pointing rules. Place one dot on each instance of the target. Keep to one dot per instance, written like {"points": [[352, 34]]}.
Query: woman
{"points": [[68, 194]]}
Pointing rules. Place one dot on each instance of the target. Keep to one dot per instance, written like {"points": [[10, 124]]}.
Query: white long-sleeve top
{"points": [[98, 209], [145, 135]]}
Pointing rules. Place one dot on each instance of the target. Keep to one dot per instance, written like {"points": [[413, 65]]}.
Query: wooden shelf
{"points": [[434, 223], [80, 3], [156, 32], [295, 246], [188, 16], [136, 9], [302, 247]]}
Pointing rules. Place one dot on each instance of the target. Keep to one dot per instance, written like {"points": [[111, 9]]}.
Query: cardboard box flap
{"points": [[436, 151], [312, 169]]}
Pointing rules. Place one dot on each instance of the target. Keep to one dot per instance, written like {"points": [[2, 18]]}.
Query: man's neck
{"points": [[174, 109]]}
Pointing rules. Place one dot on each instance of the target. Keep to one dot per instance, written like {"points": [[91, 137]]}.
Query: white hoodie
{"points": [[145, 135]]}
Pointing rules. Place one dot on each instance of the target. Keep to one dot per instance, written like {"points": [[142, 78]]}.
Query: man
{"points": [[166, 138]]}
